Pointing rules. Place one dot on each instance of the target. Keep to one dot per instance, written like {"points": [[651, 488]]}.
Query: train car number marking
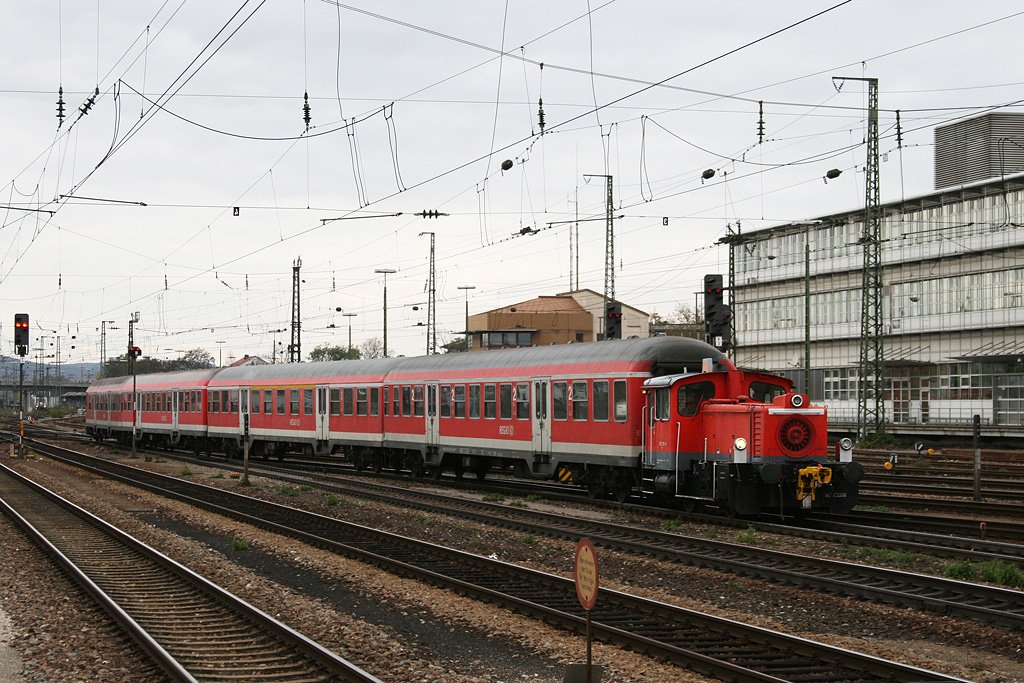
{"points": [[505, 430]]}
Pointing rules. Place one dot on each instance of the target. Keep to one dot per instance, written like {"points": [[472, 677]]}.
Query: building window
{"points": [[506, 339]]}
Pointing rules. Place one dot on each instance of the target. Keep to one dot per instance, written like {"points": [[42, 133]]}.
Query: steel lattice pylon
{"points": [[871, 387], [295, 348]]}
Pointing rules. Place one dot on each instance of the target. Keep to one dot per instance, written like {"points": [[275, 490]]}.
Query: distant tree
{"points": [[327, 352], [196, 359], [686, 315], [456, 345], [372, 348]]}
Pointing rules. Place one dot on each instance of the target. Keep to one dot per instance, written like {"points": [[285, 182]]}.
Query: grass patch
{"points": [[534, 497], [305, 487], [517, 504], [872, 508], [218, 475], [748, 535], [240, 544], [992, 571], [885, 556], [185, 472], [529, 539], [672, 525], [330, 499], [287, 491], [494, 498]]}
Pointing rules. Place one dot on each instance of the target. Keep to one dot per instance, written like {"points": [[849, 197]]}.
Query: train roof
{"points": [[153, 380], [658, 355]]}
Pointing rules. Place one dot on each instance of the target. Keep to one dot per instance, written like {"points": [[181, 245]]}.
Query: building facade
{"points": [[952, 304]]}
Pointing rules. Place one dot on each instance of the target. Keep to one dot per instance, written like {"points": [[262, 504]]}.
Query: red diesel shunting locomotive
{"points": [[665, 417]]}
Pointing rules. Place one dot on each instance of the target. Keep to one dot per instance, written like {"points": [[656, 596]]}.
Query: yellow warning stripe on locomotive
{"points": [[564, 475]]}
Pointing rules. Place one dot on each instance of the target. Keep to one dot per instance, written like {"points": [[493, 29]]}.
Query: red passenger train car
{"points": [[664, 417]]}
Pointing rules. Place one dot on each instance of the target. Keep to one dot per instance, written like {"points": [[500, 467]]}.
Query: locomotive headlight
{"points": [[846, 443], [845, 449], [797, 400], [740, 444], [739, 450]]}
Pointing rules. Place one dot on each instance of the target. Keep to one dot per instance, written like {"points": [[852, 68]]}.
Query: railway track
{"points": [[710, 645], [192, 629]]}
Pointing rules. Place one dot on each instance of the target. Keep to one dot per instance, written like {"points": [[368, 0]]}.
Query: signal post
{"points": [[21, 348]]}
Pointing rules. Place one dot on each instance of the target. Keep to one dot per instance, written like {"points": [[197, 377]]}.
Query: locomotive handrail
{"points": [[679, 429]]}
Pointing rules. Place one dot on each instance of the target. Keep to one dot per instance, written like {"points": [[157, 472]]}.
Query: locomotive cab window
{"points": [[764, 392], [662, 405], [691, 396]]}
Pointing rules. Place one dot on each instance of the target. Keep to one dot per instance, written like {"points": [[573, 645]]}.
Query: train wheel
{"points": [[596, 489], [378, 462], [621, 491], [460, 470], [480, 470], [435, 472]]}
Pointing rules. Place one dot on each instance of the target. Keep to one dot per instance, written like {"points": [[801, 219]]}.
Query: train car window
{"points": [[396, 402], [417, 400], [691, 395], [349, 401], [601, 400], [374, 401], [621, 407], [505, 401], [474, 400], [307, 401], [663, 404], [268, 402], [446, 400], [215, 402], [522, 398], [158, 403], [282, 404], [293, 401], [361, 401], [234, 400], [224, 401], [559, 401], [490, 402], [255, 401], [335, 401], [386, 400], [764, 392], [406, 401], [460, 400], [580, 401]]}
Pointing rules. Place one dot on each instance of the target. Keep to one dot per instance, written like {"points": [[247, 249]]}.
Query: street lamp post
{"points": [[350, 316], [385, 272], [467, 288]]}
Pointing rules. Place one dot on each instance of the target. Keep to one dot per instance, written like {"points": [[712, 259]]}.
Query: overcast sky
{"points": [[415, 106]]}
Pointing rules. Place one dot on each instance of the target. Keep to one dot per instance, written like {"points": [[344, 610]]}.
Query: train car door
{"points": [[174, 415], [323, 402], [433, 427], [541, 426]]}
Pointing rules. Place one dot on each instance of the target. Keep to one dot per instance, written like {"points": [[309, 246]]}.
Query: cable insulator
{"points": [[899, 131], [540, 115], [305, 110], [60, 106], [760, 122]]}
